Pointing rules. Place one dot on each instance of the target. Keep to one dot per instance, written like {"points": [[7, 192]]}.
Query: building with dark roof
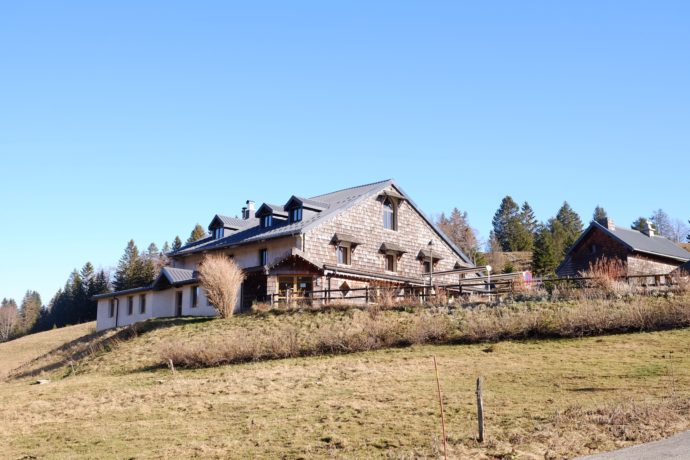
{"points": [[359, 237], [642, 252]]}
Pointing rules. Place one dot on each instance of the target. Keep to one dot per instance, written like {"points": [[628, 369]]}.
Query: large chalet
{"points": [[370, 235]]}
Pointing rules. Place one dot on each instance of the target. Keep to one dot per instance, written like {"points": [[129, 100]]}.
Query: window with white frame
{"points": [[195, 296], [266, 221]]}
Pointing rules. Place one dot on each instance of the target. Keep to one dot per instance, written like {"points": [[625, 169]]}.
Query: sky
{"points": [[124, 120]]}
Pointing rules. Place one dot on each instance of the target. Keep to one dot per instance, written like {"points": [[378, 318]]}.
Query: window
{"points": [[195, 296], [218, 233], [391, 262], [266, 221], [300, 286], [130, 305], [427, 266], [263, 257], [178, 299], [389, 215], [296, 215], [593, 249], [142, 303], [343, 253], [112, 307]]}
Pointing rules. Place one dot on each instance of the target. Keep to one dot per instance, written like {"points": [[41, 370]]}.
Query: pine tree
{"points": [[572, 225], [197, 234], [547, 253], [127, 268], [529, 220], [599, 215], [640, 224], [152, 250], [166, 248], [30, 311], [177, 243], [509, 227]]}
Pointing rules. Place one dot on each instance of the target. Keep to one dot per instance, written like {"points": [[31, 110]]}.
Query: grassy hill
{"points": [[19, 352], [543, 399]]}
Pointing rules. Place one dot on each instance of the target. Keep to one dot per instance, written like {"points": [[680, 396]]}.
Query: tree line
{"points": [[515, 228], [73, 303]]}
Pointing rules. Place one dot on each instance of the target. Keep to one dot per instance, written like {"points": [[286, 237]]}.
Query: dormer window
{"points": [[218, 233], [296, 215], [266, 221]]}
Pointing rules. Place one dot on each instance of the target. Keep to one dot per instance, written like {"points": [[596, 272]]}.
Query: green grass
{"points": [[543, 398]]}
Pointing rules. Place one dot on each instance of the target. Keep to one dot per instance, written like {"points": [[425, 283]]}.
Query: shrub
{"points": [[222, 280]]}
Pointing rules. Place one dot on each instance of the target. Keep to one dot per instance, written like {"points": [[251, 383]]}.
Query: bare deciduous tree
{"points": [[222, 279], [9, 320]]}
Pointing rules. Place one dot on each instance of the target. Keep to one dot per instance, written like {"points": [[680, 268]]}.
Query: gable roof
{"points": [[331, 204], [639, 242]]}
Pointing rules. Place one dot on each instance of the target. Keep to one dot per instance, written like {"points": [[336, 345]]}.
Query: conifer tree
{"points": [[599, 215], [152, 250], [509, 227], [30, 311], [128, 268], [166, 248], [640, 224], [529, 220], [547, 255], [177, 243], [197, 234], [572, 225]]}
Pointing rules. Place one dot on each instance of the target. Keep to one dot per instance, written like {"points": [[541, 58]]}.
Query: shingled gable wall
{"points": [[364, 221]]}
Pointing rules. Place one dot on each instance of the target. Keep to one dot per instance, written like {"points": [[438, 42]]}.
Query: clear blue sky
{"points": [[136, 120]]}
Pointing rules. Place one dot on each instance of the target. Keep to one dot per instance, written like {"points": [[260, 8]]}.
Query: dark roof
{"points": [[307, 203], [272, 209], [639, 242], [177, 275], [231, 222], [346, 238], [119, 293], [332, 204], [426, 254], [385, 247]]}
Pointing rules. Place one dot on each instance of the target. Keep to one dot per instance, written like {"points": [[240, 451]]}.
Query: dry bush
{"points": [[680, 281], [222, 279], [606, 274], [384, 297]]}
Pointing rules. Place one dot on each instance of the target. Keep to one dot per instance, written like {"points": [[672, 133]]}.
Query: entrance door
{"points": [[178, 303]]}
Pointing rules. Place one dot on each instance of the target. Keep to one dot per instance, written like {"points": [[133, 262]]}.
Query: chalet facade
{"points": [[641, 252], [363, 236]]}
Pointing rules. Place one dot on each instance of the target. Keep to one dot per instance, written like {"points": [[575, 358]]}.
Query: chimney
{"points": [[608, 223], [648, 229], [250, 209]]}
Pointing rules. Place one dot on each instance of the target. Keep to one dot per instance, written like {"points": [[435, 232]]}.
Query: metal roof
{"points": [[638, 242], [332, 203]]}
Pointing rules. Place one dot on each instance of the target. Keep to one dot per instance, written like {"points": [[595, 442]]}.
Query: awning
{"points": [[345, 238], [427, 254], [392, 247]]}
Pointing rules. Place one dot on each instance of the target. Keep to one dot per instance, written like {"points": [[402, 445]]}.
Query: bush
{"points": [[222, 280]]}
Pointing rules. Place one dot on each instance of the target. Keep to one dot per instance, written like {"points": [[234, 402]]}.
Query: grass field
{"points": [[21, 351], [543, 399]]}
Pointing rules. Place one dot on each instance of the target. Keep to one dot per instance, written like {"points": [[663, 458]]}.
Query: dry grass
{"points": [[305, 333], [20, 352], [545, 399]]}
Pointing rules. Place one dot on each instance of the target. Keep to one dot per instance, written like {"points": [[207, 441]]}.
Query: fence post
{"points": [[480, 410], [443, 418]]}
